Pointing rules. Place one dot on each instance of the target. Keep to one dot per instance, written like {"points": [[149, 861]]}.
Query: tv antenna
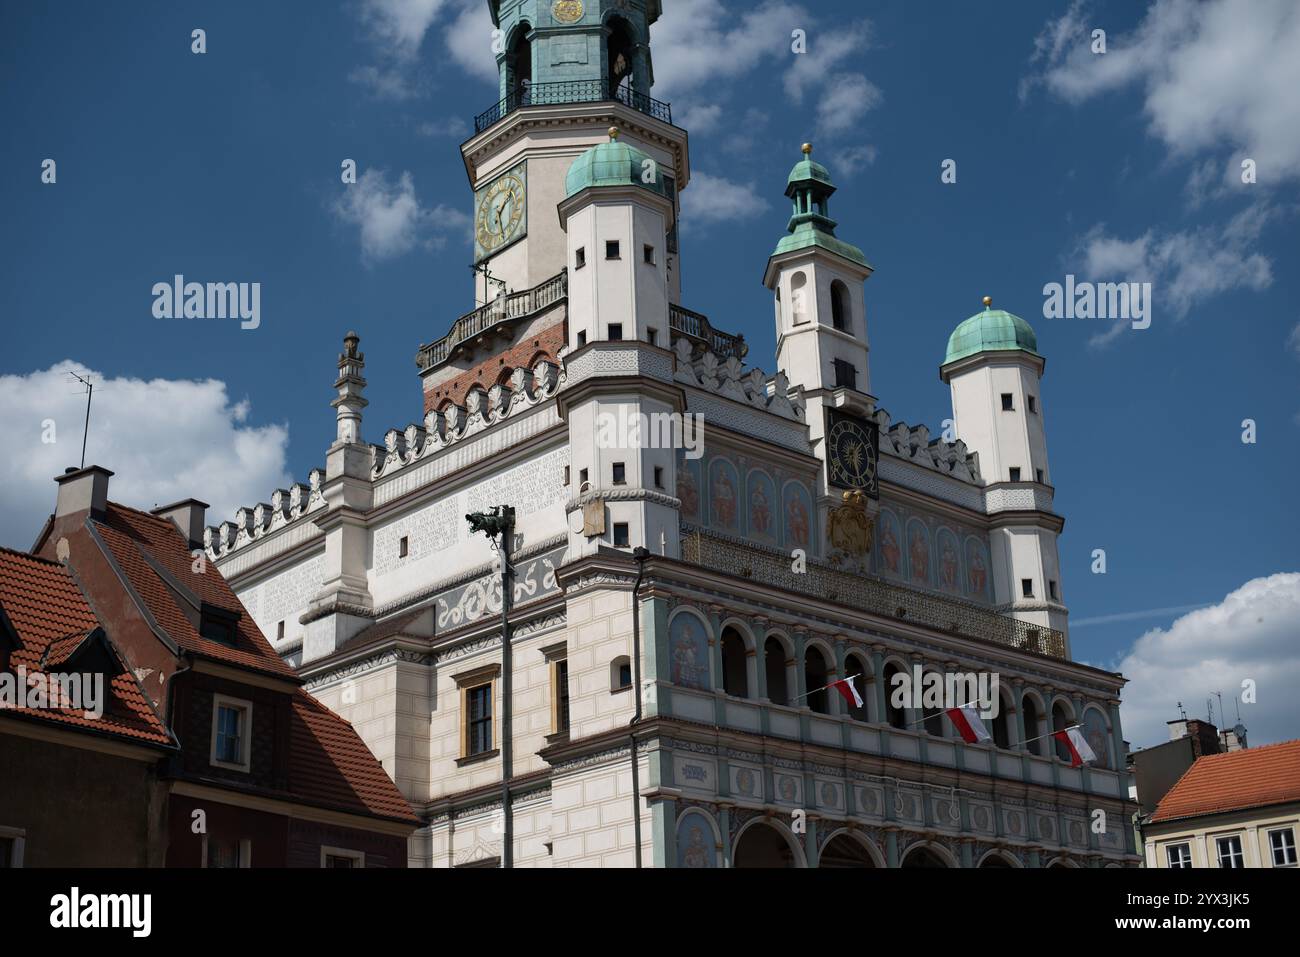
{"points": [[488, 278], [90, 394]]}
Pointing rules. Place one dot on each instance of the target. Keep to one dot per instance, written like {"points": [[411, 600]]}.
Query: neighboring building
{"points": [[1237, 809], [811, 538], [208, 751], [1157, 769]]}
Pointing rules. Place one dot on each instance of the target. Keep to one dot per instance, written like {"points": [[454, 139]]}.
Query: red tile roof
{"points": [[52, 619], [129, 535], [1235, 781]]}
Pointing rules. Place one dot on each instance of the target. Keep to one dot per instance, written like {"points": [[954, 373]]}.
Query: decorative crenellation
{"points": [[914, 444], [286, 506], [728, 377]]}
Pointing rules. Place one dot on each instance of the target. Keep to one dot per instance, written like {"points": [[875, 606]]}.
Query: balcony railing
{"points": [[572, 91], [871, 595], [516, 305], [696, 327]]}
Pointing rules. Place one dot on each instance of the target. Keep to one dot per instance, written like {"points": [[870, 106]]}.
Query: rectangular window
{"points": [[659, 476], [562, 695], [1027, 587], [1282, 844], [566, 475], [1230, 855], [480, 718], [341, 857], [1015, 474], [228, 853], [582, 478], [1051, 590], [582, 338], [7, 845], [279, 631], [580, 258], [615, 332], [624, 675], [1007, 406], [231, 732], [652, 336], [620, 535], [1038, 473], [620, 473], [611, 249], [846, 376], [1033, 404], [403, 547], [1179, 856], [648, 253]]}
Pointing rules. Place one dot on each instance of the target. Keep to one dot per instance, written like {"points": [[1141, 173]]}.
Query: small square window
{"points": [[403, 547], [1033, 403], [580, 258], [582, 338], [620, 473], [1179, 856], [611, 249], [659, 476], [1282, 845], [615, 331], [279, 631], [620, 535], [228, 853], [1007, 405], [648, 253], [1038, 473], [1015, 474], [1230, 855], [582, 477], [1027, 587], [652, 336], [1051, 590]]}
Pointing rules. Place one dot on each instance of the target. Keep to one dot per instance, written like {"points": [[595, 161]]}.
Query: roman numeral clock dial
{"points": [[501, 213], [852, 447]]}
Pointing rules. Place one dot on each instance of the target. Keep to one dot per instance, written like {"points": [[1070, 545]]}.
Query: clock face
{"points": [[501, 214], [851, 452]]}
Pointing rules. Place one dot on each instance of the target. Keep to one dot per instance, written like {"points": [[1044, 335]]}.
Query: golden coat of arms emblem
{"points": [[849, 527], [567, 11]]}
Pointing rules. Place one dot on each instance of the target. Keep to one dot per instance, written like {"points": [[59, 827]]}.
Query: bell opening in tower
{"points": [[620, 47], [519, 66]]}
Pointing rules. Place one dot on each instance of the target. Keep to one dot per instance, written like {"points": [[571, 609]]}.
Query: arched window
{"points": [[854, 665], [814, 676], [1060, 721], [774, 669], [519, 65], [932, 721], [1001, 729], [762, 845], [799, 297], [735, 676], [620, 47], [895, 715], [778, 312], [1034, 742], [923, 857], [841, 308]]}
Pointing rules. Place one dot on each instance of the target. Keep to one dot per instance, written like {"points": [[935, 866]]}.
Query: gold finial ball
{"points": [[988, 301], [613, 132], [806, 148]]}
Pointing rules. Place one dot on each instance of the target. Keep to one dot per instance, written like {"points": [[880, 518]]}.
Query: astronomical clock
{"points": [[852, 447], [501, 212]]}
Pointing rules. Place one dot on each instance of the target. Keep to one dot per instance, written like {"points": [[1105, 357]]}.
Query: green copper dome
{"points": [[612, 164], [809, 188], [992, 330]]}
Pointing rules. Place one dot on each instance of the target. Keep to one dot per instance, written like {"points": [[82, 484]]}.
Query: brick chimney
{"points": [[82, 490], [189, 515]]}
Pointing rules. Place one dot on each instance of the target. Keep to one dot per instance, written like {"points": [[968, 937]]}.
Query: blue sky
{"points": [[1120, 166]]}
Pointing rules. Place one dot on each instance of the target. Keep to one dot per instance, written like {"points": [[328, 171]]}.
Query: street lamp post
{"points": [[498, 524]]}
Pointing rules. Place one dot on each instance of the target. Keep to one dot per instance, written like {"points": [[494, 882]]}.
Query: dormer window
{"points": [[218, 624]]}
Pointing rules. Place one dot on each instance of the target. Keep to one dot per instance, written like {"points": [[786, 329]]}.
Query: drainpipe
{"points": [[640, 554]]}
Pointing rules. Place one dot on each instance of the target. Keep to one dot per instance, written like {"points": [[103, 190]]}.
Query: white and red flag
{"points": [[845, 687], [968, 724], [1073, 739]]}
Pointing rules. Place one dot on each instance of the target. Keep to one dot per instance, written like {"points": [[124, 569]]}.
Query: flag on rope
{"points": [[1073, 739], [968, 724], [845, 687]]}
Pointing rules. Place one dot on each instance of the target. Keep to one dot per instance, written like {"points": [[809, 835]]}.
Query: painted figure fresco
{"points": [[761, 502], [891, 554], [688, 486], [949, 560], [918, 551], [1097, 736], [977, 569], [798, 510], [695, 842], [722, 494], [689, 651]]}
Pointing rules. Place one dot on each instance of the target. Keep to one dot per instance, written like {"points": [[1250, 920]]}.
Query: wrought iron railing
{"points": [[516, 305], [887, 600], [572, 91], [696, 327]]}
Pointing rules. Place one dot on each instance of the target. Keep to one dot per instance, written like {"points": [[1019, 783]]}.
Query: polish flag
{"points": [[845, 687], [1073, 739], [968, 724]]}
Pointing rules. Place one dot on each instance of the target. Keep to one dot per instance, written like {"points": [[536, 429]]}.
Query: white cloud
{"points": [[1251, 635], [714, 199], [701, 118], [847, 161], [452, 126], [844, 103], [823, 60], [389, 216], [1293, 340], [1184, 267], [396, 31], [165, 439], [1217, 76], [468, 39]]}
